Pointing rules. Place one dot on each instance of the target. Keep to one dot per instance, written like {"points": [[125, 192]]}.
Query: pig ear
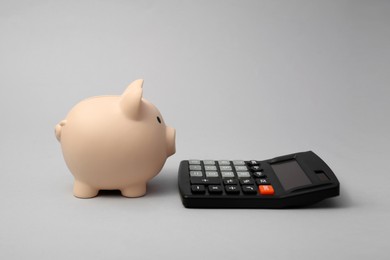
{"points": [[131, 99]]}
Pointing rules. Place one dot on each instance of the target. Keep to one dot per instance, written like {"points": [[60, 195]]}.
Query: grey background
{"points": [[238, 80]]}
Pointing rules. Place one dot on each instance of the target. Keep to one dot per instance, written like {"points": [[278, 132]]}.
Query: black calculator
{"points": [[293, 180]]}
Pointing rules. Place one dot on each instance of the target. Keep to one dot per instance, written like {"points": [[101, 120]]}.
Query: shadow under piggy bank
{"points": [[165, 183]]}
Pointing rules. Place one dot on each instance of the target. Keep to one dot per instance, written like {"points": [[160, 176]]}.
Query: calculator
{"points": [[293, 180]]}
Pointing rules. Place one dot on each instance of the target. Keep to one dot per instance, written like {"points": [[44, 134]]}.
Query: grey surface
{"points": [[238, 80]]}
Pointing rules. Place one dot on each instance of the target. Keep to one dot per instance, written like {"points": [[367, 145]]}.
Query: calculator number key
{"points": [[227, 174], [211, 174], [215, 189], [200, 180], [208, 162], [262, 182], [232, 189], [246, 181], [241, 168], [256, 168], [198, 189], [243, 174], [225, 168], [210, 168], [224, 162], [230, 182], [239, 162], [196, 174], [249, 189], [253, 162], [194, 161], [195, 168], [259, 174]]}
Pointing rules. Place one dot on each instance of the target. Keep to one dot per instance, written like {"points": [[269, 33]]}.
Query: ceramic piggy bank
{"points": [[115, 143]]}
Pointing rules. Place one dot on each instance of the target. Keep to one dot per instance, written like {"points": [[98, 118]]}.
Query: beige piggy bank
{"points": [[115, 143]]}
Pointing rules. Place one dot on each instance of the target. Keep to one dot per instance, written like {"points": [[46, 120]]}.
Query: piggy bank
{"points": [[115, 143]]}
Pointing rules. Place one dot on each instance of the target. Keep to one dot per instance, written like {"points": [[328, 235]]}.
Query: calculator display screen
{"points": [[290, 174]]}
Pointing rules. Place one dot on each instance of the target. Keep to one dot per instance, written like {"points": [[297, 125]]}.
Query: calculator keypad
{"points": [[229, 177]]}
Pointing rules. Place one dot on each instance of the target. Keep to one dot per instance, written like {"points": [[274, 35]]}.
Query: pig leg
{"points": [[84, 191], [135, 190]]}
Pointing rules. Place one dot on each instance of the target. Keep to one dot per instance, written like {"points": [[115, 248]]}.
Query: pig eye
{"points": [[159, 120]]}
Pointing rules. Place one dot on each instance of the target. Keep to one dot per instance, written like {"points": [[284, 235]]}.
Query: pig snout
{"points": [[171, 134]]}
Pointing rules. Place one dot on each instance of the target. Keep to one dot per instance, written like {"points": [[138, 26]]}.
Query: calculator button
{"points": [[208, 162], [241, 168], [196, 174], [243, 174], [266, 190], [249, 189], [211, 174], [230, 181], [200, 180], [253, 162], [198, 189], [246, 181], [194, 161], [215, 189], [225, 168], [259, 175], [210, 168], [262, 182], [227, 174], [255, 168], [232, 189], [195, 168], [238, 162], [224, 162]]}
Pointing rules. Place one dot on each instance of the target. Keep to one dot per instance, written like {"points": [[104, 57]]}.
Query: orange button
{"points": [[266, 190]]}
